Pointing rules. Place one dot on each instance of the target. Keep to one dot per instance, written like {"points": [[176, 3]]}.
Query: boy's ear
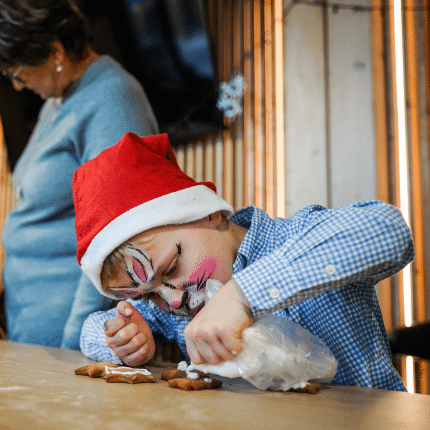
{"points": [[215, 219]]}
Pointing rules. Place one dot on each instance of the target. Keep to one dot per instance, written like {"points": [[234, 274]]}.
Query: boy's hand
{"points": [[129, 336], [215, 333]]}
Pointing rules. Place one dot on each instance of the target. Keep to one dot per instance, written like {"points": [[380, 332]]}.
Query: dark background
{"points": [[164, 44]]}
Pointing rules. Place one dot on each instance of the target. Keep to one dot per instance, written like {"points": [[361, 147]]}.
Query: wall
{"points": [[330, 152]]}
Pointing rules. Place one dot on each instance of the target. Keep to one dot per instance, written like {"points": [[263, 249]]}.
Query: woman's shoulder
{"points": [[106, 71]]}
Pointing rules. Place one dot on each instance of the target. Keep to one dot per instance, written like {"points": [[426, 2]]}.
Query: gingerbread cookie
{"points": [[111, 372], [184, 380], [310, 387], [95, 370]]}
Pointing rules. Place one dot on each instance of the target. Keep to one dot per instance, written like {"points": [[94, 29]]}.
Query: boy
{"points": [[150, 234]]}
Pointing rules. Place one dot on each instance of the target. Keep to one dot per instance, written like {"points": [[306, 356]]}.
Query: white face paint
{"points": [[185, 299], [170, 265]]}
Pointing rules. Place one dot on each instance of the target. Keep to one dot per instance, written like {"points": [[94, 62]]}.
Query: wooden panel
{"points": [[351, 137], [305, 109], [386, 287], [7, 195]]}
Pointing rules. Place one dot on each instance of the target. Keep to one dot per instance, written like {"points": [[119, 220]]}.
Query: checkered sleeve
{"points": [[331, 248], [93, 340], [164, 327]]}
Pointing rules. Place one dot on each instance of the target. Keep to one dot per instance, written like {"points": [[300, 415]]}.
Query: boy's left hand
{"points": [[129, 336], [215, 333]]}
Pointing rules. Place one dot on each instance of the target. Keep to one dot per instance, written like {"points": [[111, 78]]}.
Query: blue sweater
{"points": [[47, 296]]}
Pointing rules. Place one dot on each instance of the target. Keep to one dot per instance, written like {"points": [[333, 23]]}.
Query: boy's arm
{"points": [[361, 244], [364, 242]]}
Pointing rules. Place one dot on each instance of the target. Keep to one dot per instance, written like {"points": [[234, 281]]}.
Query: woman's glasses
{"points": [[15, 75]]}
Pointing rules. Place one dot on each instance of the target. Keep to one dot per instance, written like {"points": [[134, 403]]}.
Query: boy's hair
{"points": [[111, 266]]}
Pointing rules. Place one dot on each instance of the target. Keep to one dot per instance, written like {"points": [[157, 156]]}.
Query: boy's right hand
{"points": [[129, 336]]}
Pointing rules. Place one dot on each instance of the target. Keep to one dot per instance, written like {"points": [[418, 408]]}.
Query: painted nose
{"points": [[178, 304]]}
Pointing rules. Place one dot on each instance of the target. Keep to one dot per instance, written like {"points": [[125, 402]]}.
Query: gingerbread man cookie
{"points": [[111, 372], [184, 380]]}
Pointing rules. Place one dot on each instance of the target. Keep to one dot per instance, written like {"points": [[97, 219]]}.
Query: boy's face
{"points": [[171, 264]]}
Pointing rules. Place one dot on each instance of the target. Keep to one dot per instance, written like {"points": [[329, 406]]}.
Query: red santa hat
{"points": [[132, 187]]}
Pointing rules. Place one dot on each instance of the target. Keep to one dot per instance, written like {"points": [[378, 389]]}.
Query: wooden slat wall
{"points": [[417, 72], [7, 196], [247, 160]]}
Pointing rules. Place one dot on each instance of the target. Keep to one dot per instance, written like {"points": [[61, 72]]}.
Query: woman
{"points": [[91, 101]]}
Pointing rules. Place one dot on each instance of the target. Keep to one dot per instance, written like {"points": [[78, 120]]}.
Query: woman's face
{"points": [[44, 79]]}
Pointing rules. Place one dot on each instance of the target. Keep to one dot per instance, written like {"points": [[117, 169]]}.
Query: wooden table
{"points": [[39, 390]]}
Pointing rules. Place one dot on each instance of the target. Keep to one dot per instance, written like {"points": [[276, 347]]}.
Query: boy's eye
{"points": [[172, 269]]}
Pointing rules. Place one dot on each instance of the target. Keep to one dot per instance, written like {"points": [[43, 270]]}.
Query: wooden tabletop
{"points": [[39, 390]]}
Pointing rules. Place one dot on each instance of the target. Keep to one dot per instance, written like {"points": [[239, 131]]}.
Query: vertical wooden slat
{"points": [[238, 124], [189, 160], [414, 138], [7, 195], [395, 131], [219, 166], [180, 156], [258, 101], [381, 141], [421, 380], [268, 109], [209, 160], [248, 144], [199, 161], [225, 15], [278, 48]]}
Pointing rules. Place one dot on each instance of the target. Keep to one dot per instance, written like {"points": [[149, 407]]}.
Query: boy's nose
{"points": [[179, 303]]}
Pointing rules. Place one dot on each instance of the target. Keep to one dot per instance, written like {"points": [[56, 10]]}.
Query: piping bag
{"points": [[277, 354]]}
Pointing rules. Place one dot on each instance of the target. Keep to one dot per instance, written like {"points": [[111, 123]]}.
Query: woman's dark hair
{"points": [[28, 28]]}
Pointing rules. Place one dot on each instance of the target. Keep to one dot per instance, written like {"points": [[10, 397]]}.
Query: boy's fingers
{"points": [[112, 325], [125, 309], [212, 351], [132, 316]]}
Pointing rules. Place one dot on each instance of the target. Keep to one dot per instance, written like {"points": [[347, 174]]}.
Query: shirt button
{"points": [[330, 269], [274, 293]]}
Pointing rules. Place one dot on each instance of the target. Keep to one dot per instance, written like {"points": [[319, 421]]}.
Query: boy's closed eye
{"points": [[174, 264]]}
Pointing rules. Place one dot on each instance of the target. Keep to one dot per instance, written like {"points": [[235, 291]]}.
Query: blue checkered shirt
{"points": [[319, 269]]}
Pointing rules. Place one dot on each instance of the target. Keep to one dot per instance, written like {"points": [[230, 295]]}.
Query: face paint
{"points": [[139, 271]]}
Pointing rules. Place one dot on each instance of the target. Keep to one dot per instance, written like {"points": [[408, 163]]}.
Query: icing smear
{"points": [[126, 371], [190, 374]]}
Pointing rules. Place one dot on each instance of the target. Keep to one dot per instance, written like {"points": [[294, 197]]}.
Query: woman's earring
{"points": [[59, 68]]}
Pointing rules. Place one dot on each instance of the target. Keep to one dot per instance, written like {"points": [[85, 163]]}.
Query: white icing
{"points": [[208, 380], [192, 375], [183, 366], [126, 371], [225, 368], [299, 384]]}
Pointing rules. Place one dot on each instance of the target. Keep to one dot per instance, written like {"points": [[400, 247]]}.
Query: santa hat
{"points": [[129, 188]]}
